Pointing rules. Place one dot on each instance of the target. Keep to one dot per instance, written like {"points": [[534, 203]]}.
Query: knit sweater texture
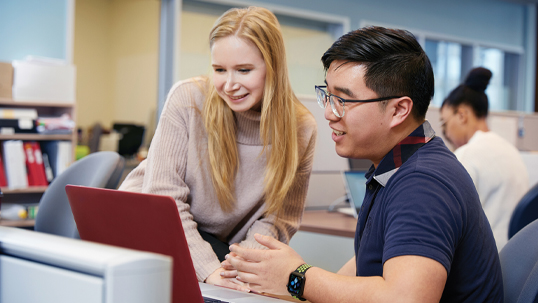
{"points": [[178, 166]]}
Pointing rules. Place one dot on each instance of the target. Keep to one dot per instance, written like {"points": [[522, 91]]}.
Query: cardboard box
{"points": [[6, 80], [43, 82]]}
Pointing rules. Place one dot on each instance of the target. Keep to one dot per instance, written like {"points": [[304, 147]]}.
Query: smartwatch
{"points": [[297, 281]]}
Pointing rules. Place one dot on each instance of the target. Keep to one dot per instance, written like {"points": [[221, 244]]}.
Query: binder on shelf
{"points": [[34, 164], [48, 170], [17, 126], [30, 164], [3, 180], [15, 164], [18, 113], [18, 120], [41, 175], [59, 155]]}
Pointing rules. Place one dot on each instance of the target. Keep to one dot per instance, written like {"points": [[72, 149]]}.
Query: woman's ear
{"points": [[462, 113], [401, 109]]}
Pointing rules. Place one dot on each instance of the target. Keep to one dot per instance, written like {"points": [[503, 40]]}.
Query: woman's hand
{"points": [[218, 278], [264, 270]]}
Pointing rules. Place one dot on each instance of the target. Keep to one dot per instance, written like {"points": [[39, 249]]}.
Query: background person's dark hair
{"points": [[472, 92], [395, 63]]}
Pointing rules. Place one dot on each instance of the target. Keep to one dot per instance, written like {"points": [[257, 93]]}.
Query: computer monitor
{"points": [[354, 181], [359, 164], [39, 267], [132, 136]]}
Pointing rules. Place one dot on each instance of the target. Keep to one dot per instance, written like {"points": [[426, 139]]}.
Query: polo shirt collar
{"points": [[401, 153]]}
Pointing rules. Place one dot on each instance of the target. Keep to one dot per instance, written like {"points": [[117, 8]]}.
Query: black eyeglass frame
{"points": [[342, 101]]}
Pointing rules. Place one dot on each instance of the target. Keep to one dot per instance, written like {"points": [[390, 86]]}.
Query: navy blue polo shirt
{"points": [[421, 201]]}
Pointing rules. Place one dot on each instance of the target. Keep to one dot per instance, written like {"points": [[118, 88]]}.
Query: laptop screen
{"points": [[355, 183]]}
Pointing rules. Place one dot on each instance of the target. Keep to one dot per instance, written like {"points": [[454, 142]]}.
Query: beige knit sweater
{"points": [[177, 165]]}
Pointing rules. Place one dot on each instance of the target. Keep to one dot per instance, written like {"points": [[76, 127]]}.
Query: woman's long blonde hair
{"points": [[279, 114]]}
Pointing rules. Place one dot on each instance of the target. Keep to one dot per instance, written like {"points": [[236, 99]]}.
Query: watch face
{"points": [[296, 284]]}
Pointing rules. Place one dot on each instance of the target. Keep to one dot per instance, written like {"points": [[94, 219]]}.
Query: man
{"points": [[500, 187], [422, 235]]}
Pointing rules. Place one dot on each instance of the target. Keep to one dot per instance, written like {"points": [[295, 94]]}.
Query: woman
{"points": [[495, 165], [234, 151]]}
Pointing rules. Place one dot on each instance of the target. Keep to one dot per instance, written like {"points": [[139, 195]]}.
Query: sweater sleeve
{"points": [[288, 223], [164, 170]]}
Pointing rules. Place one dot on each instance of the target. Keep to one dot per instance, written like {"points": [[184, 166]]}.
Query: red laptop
{"points": [[149, 223]]}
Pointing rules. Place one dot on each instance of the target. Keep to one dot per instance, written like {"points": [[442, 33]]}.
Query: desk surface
{"points": [[17, 223], [318, 221], [329, 223]]}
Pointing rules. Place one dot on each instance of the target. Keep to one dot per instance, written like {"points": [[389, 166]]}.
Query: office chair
{"points": [[519, 263], [102, 169], [95, 136], [525, 212]]}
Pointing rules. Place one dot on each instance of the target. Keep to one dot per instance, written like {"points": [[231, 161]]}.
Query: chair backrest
{"points": [[525, 212], [101, 169], [519, 263], [95, 137]]}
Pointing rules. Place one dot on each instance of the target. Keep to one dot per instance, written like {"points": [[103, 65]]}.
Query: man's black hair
{"points": [[395, 63]]}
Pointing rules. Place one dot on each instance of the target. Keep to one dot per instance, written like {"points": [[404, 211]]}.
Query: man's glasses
{"points": [[338, 104]]}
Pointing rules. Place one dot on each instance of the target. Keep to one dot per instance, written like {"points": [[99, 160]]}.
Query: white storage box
{"points": [[48, 82]]}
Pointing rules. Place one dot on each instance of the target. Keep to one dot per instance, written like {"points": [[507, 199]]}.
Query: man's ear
{"points": [[401, 109]]}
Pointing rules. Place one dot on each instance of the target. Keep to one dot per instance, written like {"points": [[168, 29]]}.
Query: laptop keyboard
{"points": [[210, 300]]}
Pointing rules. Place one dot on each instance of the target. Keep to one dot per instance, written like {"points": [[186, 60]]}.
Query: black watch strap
{"points": [[301, 270]]}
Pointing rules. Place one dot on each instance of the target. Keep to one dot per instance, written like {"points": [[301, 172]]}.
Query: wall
{"points": [[502, 24], [93, 60], [305, 69], [490, 20], [116, 53], [135, 32], [34, 27], [123, 35]]}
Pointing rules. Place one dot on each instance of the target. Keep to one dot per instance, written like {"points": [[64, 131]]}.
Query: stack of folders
{"points": [[29, 164], [18, 120]]}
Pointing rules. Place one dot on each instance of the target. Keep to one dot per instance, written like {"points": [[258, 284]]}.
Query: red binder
{"points": [[41, 178], [34, 164], [3, 180]]}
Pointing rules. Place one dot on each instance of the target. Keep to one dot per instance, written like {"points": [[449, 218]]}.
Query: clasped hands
{"points": [[258, 270]]}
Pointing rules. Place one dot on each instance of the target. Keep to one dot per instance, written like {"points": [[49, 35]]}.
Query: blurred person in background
{"points": [[495, 165]]}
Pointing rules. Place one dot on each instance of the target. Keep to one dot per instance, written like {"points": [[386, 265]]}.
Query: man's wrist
{"points": [[297, 280]]}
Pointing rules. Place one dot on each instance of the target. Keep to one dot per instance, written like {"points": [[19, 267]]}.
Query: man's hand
{"points": [[264, 270], [217, 278]]}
